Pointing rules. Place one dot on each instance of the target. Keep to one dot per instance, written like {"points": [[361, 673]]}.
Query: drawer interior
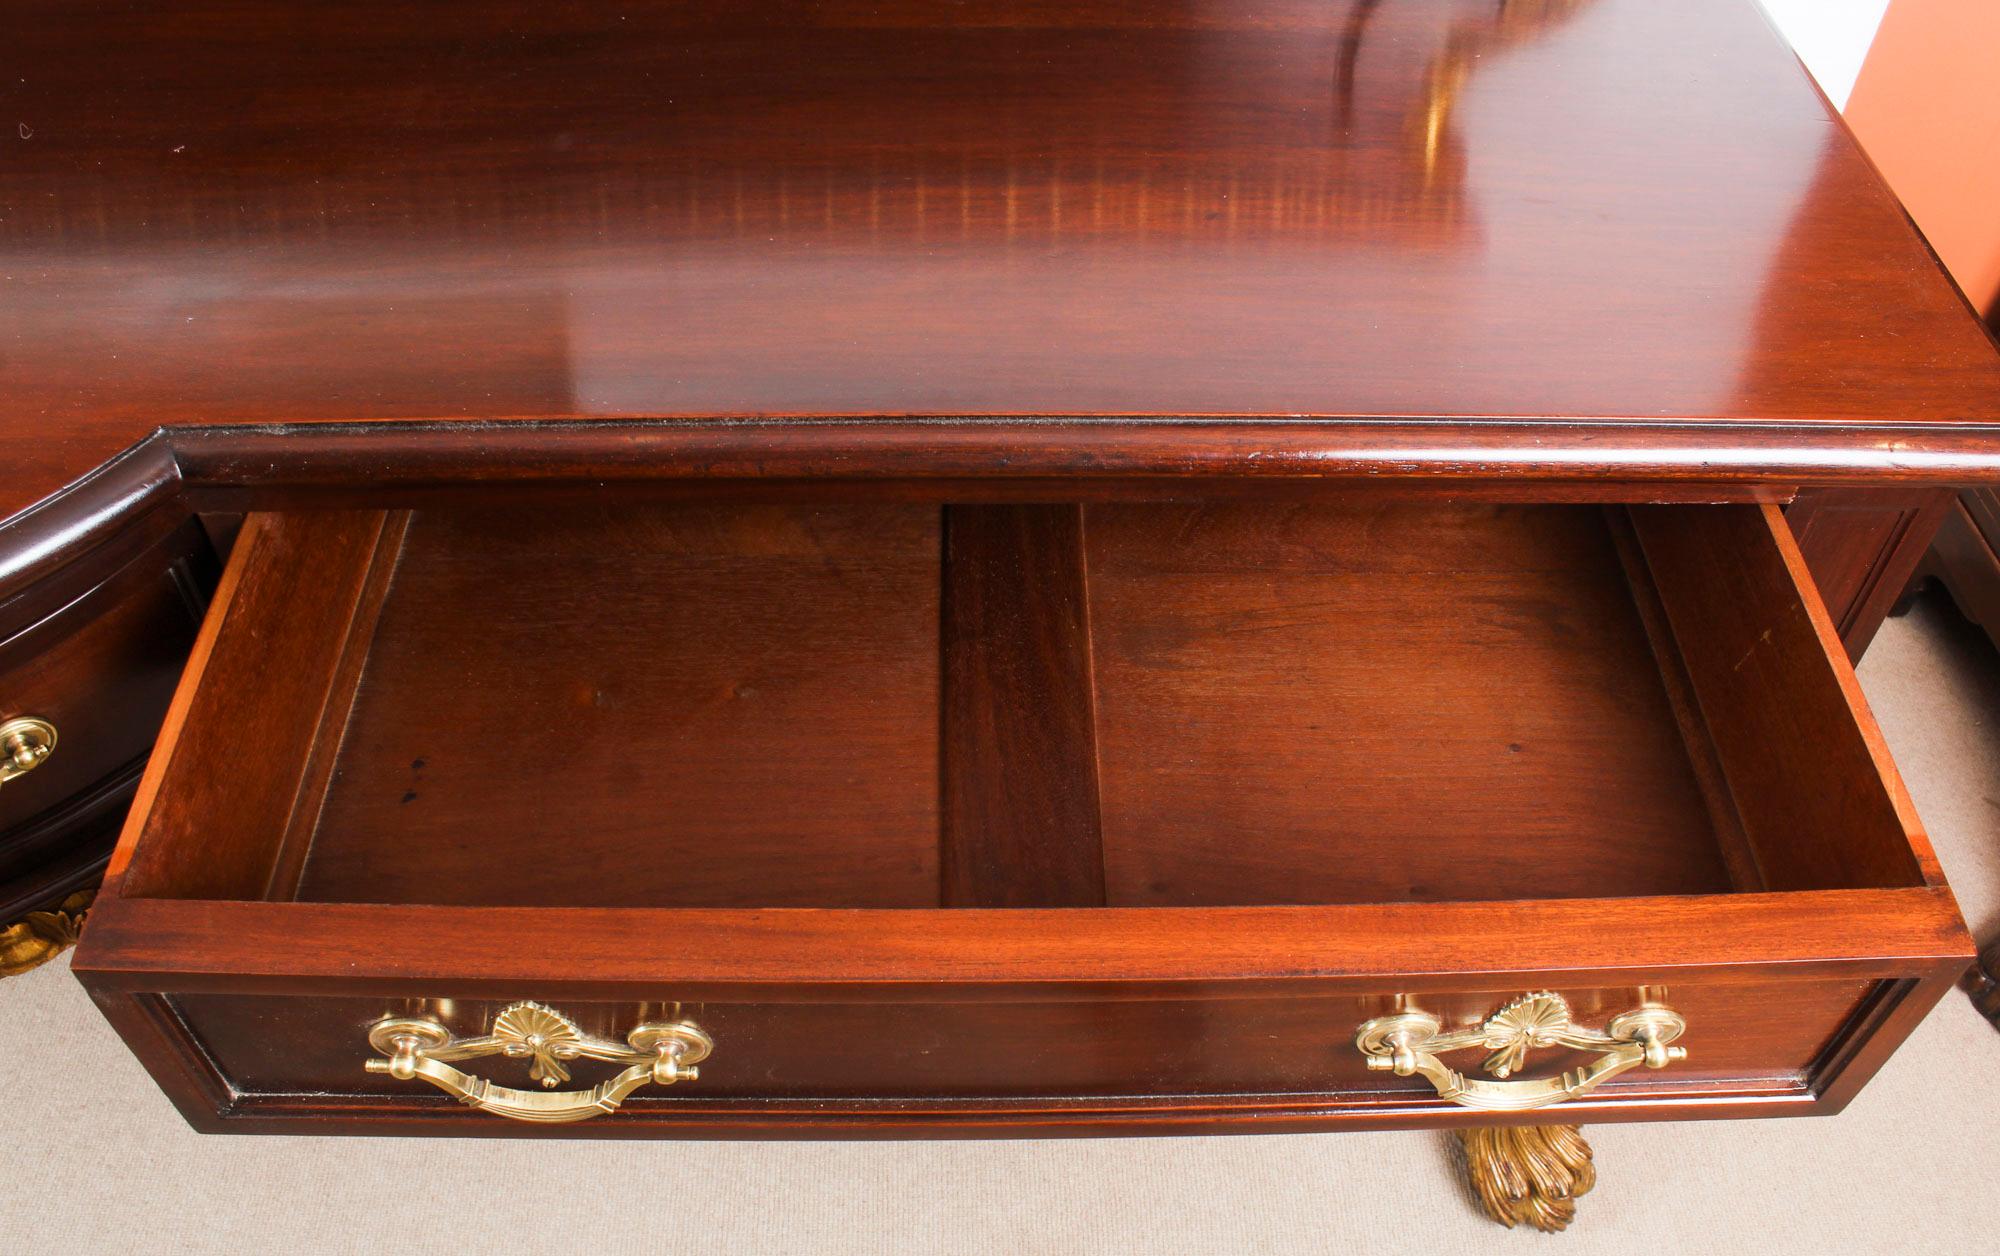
{"points": [[701, 704]]}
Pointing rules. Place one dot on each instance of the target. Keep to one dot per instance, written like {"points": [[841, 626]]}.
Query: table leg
{"points": [[40, 936], [1531, 1173], [1982, 982]]}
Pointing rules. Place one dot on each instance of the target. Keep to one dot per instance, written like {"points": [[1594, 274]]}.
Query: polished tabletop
{"points": [[1613, 213]]}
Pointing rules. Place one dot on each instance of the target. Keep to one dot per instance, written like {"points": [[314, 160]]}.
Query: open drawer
{"points": [[887, 818]]}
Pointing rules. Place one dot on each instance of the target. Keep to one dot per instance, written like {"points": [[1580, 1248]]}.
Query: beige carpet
{"points": [[97, 1162]]}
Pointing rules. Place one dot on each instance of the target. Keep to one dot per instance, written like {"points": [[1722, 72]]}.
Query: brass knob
{"points": [[24, 743]]}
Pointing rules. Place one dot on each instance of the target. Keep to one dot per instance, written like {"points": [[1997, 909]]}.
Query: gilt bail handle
{"points": [[1409, 1043], [660, 1052]]}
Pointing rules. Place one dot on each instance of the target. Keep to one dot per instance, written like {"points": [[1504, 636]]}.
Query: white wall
{"points": [[1831, 37]]}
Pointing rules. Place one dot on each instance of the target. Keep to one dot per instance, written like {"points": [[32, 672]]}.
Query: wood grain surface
{"points": [[232, 219], [1018, 730], [1321, 704], [645, 707]]}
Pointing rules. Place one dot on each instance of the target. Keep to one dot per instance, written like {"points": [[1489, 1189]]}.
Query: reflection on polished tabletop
{"points": [[222, 214]]}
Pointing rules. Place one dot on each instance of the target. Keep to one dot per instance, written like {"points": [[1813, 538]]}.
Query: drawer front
{"points": [[834, 1066], [100, 671]]}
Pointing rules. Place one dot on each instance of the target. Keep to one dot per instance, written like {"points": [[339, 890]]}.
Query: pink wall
{"points": [[1927, 108]]}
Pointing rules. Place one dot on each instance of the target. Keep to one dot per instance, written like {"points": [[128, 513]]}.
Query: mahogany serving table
{"points": [[825, 569]]}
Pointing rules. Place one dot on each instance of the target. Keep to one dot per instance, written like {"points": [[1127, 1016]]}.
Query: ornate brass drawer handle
{"points": [[659, 1052], [1410, 1042], [24, 743]]}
